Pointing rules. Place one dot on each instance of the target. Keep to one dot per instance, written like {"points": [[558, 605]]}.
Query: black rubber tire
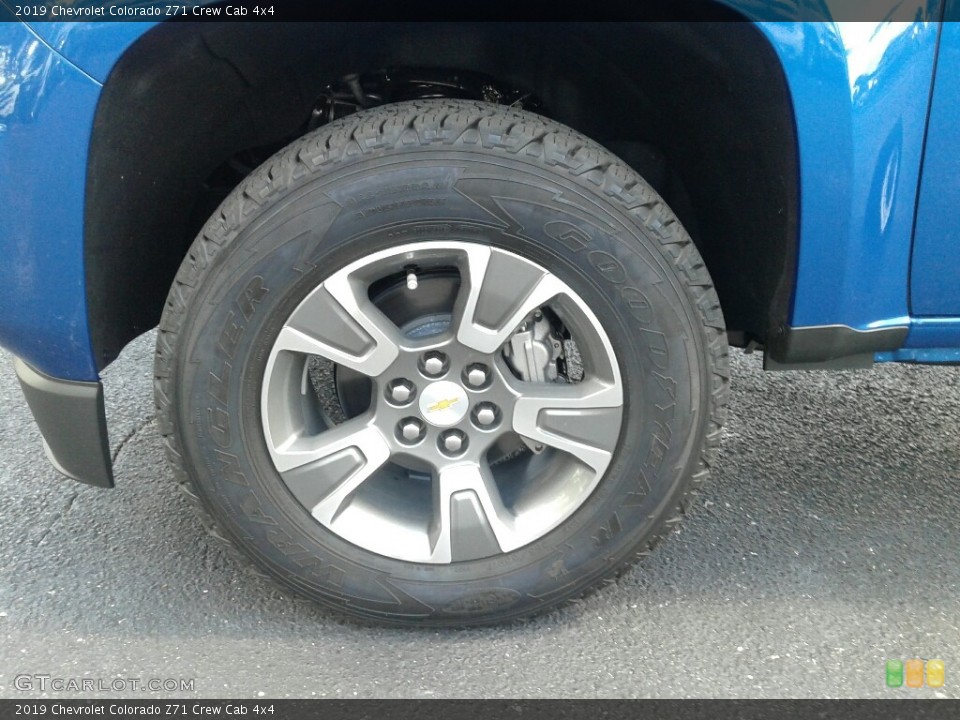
{"points": [[402, 171]]}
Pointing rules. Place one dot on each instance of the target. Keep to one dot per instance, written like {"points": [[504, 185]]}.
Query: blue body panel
{"points": [[46, 114], [860, 92], [95, 47], [935, 280]]}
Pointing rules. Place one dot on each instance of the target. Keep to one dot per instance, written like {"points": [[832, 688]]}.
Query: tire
{"points": [[290, 327]]}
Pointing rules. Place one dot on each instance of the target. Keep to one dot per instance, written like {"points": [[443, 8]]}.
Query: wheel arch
{"points": [[703, 107]]}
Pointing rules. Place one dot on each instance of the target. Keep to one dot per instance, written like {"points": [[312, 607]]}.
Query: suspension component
{"points": [[357, 91]]}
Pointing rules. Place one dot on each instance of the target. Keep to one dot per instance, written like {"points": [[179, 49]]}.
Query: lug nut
{"points": [[401, 391], [476, 375], [453, 441], [434, 364], [410, 430], [486, 416]]}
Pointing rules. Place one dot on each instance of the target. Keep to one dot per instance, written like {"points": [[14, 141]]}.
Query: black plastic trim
{"points": [[829, 347], [73, 422]]}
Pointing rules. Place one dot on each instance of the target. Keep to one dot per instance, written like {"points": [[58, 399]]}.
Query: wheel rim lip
{"points": [[540, 520]]}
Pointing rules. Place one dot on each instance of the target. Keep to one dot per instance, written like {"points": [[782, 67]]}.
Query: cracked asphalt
{"points": [[826, 543]]}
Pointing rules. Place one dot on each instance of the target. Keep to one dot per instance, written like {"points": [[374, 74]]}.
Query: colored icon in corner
{"points": [[894, 673], [912, 671], [935, 673]]}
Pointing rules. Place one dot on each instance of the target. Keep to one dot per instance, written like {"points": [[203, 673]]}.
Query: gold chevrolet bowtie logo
{"points": [[443, 404]]}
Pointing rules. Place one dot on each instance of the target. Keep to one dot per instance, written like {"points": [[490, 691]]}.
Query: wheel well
{"points": [[702, 110]]}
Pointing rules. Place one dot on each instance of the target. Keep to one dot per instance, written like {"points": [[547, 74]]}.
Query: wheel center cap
{"points": [[443, 403]]}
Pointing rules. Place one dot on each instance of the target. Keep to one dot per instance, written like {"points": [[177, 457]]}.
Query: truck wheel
{"points": [[442, 363]]}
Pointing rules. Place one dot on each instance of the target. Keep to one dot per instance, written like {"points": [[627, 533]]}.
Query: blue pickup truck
{"points": [[444, 309]]}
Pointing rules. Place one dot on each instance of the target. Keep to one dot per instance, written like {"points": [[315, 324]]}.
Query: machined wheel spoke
{"points": [[322, 471], [501, 290], [337, 321], [582, 419], [470, 519]]}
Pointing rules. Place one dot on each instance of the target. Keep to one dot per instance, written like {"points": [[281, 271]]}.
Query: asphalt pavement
{"points": [[826, 544]]}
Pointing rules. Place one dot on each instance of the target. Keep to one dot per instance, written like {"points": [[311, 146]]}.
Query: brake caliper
{"points": [[533, 350]]}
